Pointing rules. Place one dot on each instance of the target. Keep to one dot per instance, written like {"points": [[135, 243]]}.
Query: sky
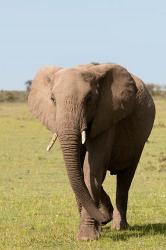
{"points": [[36, 33]]}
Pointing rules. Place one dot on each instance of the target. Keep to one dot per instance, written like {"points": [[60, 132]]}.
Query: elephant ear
{"points": [[39, 98], [117, 96]]}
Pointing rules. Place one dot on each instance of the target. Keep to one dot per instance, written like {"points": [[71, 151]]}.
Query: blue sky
{"points": [[35, 33]]}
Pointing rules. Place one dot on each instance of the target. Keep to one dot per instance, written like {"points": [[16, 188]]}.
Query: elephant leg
{"points": [[94, 168], [89, 228], [105, 204], [124, 179]]}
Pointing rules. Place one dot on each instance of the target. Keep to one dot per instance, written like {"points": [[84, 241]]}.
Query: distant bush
{"points": [[28, 86], [13, 96], [156, 90]]}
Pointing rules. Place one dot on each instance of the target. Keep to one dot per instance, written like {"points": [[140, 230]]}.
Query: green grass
{"points": [[37, 205]]}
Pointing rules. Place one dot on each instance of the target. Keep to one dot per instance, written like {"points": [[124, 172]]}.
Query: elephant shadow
{"points": [[136, 231]]}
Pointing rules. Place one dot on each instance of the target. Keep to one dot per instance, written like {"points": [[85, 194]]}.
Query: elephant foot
{"points": [[118, 223], [122, 225], [88, 233]]}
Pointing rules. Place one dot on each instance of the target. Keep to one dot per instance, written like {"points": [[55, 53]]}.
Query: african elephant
{"points": [[102, 115]]}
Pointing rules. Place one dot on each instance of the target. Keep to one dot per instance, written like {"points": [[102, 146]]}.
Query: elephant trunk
{"points": [[71, 143]]}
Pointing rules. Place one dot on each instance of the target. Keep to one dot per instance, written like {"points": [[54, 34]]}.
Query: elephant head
{"points": [[87, 100]]}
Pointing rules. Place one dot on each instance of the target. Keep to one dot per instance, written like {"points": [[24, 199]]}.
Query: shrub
{"points": [[156, 90], [12, 96]]}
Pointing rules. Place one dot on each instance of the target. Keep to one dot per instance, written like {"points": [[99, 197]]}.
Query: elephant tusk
{"points": [[53, 140], [83, 136]]}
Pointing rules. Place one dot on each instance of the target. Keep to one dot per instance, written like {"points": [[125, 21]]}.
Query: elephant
{"points": [[102, 116]]}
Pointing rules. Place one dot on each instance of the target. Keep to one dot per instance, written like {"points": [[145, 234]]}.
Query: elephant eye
{"points": [[88, 98], [53, 99]]}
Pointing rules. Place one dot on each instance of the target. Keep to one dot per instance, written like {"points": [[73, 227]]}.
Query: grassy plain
{"points": [[37, 206]]}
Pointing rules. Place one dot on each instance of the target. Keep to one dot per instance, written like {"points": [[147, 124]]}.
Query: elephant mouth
{"points": [[55, 136], [84, 134]]}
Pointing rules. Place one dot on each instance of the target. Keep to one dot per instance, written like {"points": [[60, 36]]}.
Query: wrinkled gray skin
{"points": [[117, 113]]}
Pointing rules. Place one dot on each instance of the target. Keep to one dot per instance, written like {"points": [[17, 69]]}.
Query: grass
{"points": [[37, 205]]}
